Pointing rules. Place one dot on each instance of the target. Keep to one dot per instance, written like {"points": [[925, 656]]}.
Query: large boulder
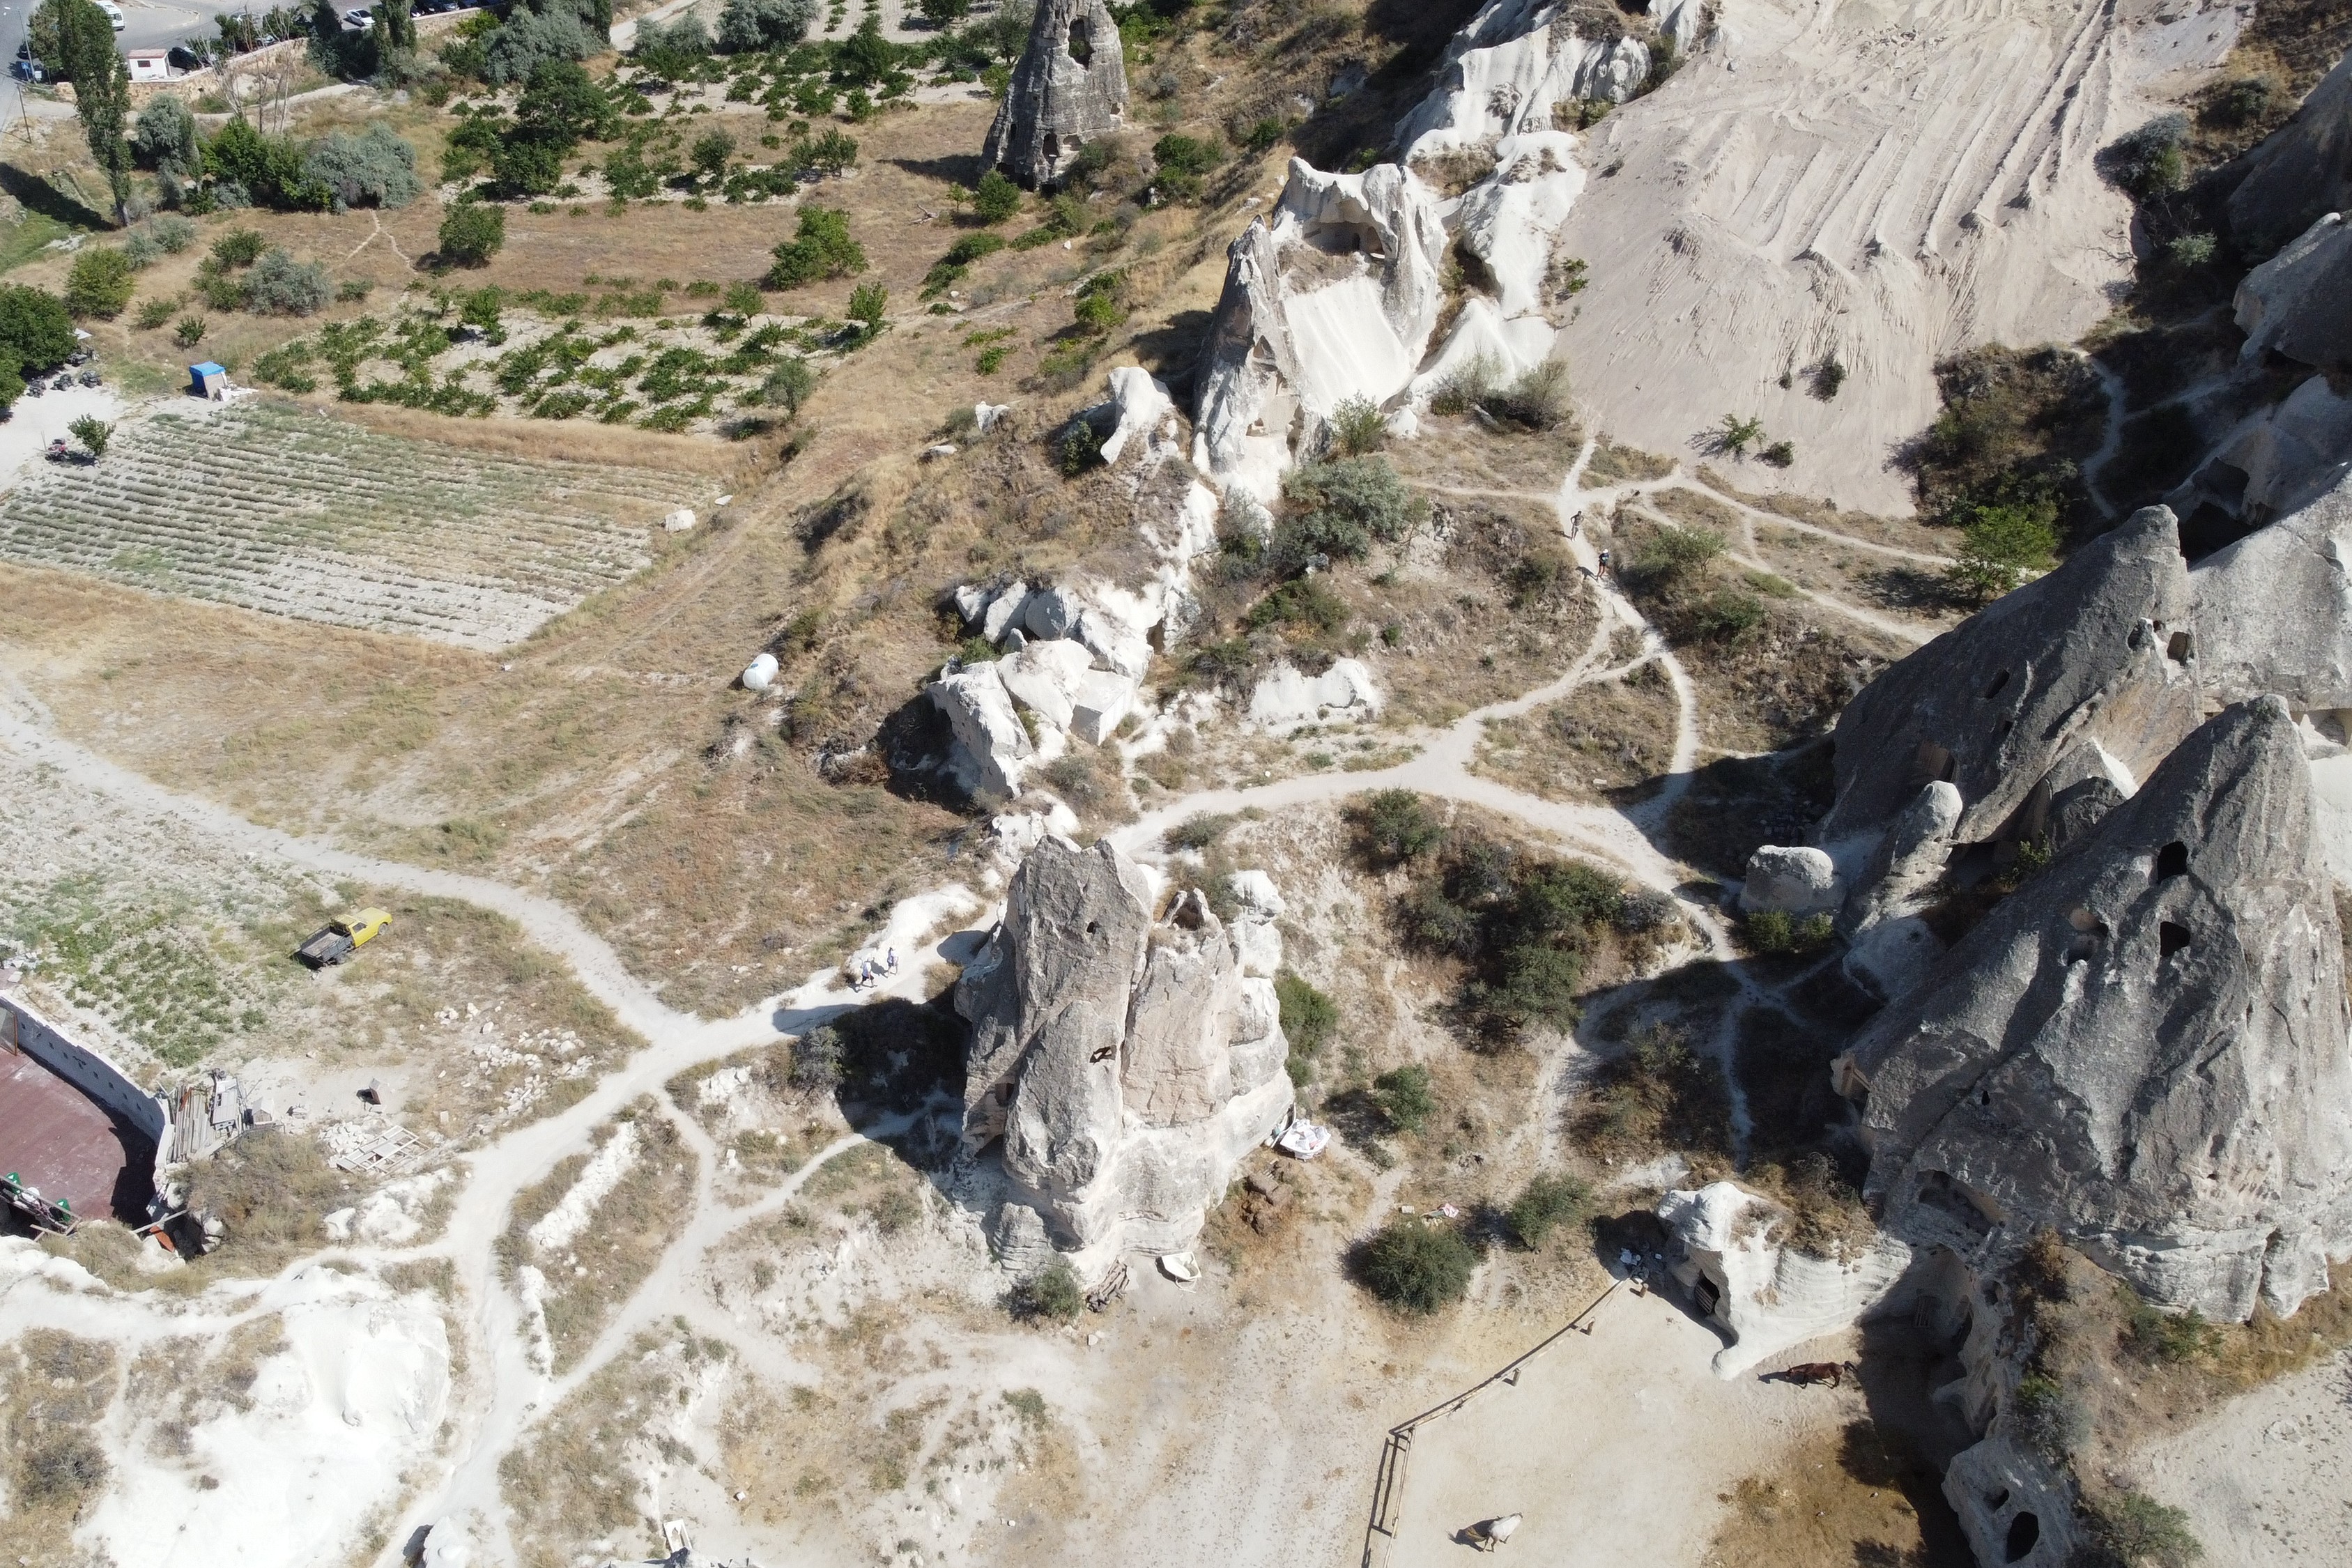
{"points": [[1791, 880], [2275, 610], [991, 747], [1069, 88], [2294, 303], [2090, 665], [1332, 297], [1126, 1065], [2143, 1048]]}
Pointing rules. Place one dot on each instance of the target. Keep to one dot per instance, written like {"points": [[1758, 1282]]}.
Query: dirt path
{"points": [[508, 1391]]}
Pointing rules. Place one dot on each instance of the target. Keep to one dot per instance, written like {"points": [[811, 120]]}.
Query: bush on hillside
{"points": [[821, 249], [1545, 1204], [370, 168], [281, 286], [98, 286], [473, 233], [1417, 1268], [1338, 508], [1052, 1295]]}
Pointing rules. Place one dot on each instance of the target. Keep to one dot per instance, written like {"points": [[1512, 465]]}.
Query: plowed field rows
{"points": [[299, 515]]}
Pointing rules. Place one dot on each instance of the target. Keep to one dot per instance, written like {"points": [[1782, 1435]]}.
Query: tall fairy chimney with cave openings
{"points": [[1069, 88]]}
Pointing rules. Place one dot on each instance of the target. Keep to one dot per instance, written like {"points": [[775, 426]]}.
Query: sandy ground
{"points": [[1613, 1447], [2263, 1481], [1883, 184], [34, 422]]}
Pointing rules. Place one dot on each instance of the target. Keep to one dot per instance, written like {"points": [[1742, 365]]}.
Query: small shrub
{"points": [[2047, 1417], [154, 314], [2169, 1337], [2132, 1530], [1417, 1268], [868, 304], [1827, 377], [281, 286], [1545, 1204], [1780, 935], [817, 1061], [789, 385], [1356, 426], [92, 433], [821, 249], [1536, 401], [1780, 454], [2150, 163], [1467, 388], [1052, 1295], [2189, 252], [1999, 545], [472, 233], [238, 247], [1197, 833], [1340, 507], [995, 198], [1405, 1098], [1079, 449], [1735, 435], [1309, 1018], [100, 284], [1397, 824]]}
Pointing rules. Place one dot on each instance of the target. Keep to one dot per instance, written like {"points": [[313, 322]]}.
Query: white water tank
{"points": [[761, 673]]}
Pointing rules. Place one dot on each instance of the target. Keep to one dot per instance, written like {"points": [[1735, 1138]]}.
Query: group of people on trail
{"points": [[871, 973]]}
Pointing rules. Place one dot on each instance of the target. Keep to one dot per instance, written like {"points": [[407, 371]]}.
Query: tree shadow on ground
{"points": [[38, 195], [957, 168]]}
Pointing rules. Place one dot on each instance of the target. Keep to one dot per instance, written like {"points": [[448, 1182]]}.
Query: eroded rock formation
{"points": [[2299, 171], [2143, 1048], [1125, 1065], [1728, 1250], [1069, 88], [2275, 610], [2085, 671], [1334, 296]]}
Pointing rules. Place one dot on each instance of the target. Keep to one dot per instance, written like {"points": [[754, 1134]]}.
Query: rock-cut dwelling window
{"points": [[2171, 938], [2171, 861], [2024, 1535], [1998, 682], [1933, 762], [1082, 48], [2180, 648]]}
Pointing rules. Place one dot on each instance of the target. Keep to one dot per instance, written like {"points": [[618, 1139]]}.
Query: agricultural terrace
{"points": [[280, 509]]}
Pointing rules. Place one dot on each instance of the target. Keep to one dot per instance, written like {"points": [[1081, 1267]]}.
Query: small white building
{"points": [[150, 65]]}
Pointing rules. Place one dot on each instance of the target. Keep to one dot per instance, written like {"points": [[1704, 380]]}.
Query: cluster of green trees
{"points": [[35, 336], [1519, 922]]}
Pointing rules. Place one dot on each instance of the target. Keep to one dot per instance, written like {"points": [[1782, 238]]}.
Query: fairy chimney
{"points": [[1069, 88]]}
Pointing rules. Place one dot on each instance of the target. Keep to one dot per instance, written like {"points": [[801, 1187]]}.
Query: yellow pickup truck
{"points": [[341, 937]]}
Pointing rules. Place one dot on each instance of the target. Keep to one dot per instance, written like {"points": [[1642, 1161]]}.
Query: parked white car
{"points": [[113, 13]]}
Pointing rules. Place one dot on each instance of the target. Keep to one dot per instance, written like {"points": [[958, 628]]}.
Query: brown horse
{"points": [[1807, 1373]]}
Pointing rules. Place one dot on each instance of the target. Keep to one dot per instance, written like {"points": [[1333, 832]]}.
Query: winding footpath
{"points": [[510, 1388]]}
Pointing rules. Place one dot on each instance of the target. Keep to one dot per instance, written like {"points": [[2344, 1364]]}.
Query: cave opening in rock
{"points": [[2024, 1534], [2170, 938], [1998, 682], [1081, 48], [2172, 860]]}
